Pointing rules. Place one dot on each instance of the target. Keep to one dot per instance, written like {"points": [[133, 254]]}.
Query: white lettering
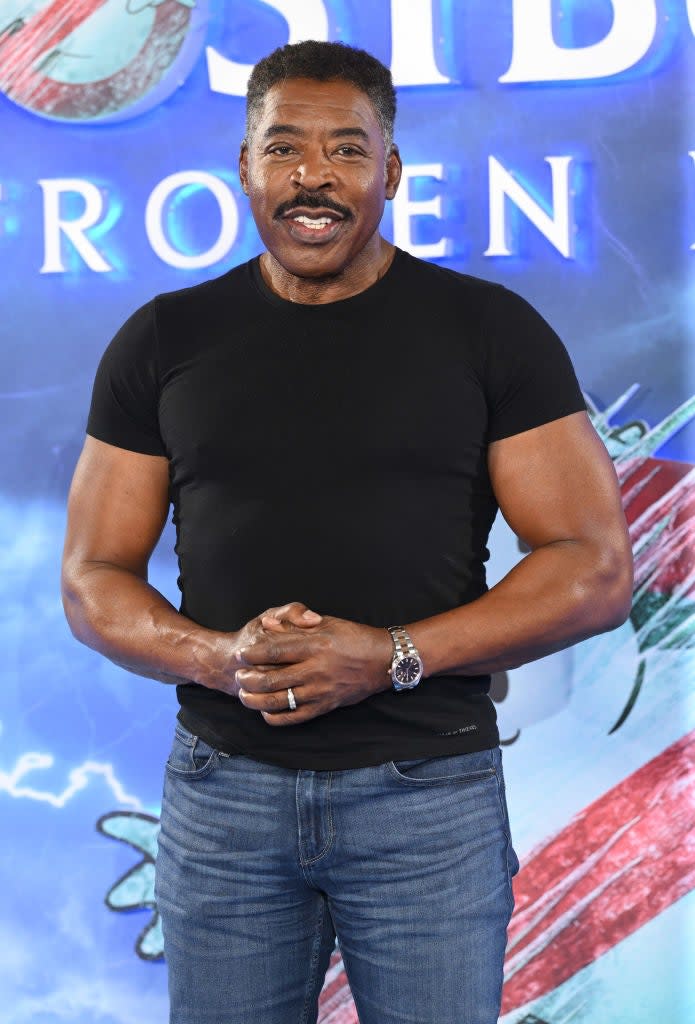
{"points": [[691, 15], [306, 20], [558, 227], [412, 44], [54, 226], [405, 208], [536, 56], [154, 216]]}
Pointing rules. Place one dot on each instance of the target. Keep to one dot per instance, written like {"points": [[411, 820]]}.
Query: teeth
{"points": [[314, 222]]}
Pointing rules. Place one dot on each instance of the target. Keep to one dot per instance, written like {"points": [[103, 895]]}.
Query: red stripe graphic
{"points": [[618, 864], [659, 500], [43, 33], [25, 61]]}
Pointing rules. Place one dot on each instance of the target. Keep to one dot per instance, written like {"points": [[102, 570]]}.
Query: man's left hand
{"points": [[332, 664]]}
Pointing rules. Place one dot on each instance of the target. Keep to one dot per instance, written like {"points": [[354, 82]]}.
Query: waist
{"points": [[443, 715]]}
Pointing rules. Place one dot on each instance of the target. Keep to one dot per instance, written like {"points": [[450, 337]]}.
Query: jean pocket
{"points": [[190, 757], [450, 768]]}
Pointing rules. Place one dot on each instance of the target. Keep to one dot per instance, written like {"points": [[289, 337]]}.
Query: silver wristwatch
{"points": [[406, 667]]}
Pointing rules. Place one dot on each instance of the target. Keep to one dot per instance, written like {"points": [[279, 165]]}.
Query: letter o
{"points": [[228, 213]]}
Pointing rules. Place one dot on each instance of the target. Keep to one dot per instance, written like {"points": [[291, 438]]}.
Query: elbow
{"points": [[619, 604], [71, 604], [608, 593], [621, 583], [74, 603]]}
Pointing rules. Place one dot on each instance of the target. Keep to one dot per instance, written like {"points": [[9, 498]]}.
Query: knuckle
{"points": [[253, 682], [297, 606], [286, 609], [272, 718]]}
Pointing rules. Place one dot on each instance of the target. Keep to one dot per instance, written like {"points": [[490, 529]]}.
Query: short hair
{"points": [[324, 62]]}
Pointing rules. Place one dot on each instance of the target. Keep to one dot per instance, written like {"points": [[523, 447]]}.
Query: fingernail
{"points": [[310, 615]]}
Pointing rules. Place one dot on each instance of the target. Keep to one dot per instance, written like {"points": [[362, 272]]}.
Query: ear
{"points": [[244, 167], [394, 169]]}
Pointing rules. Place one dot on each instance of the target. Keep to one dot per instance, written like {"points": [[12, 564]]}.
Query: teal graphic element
{"points": [[663, 610], [135, 889]]}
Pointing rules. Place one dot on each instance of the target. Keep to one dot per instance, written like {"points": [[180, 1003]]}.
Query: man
{"points": [[336, 424]]}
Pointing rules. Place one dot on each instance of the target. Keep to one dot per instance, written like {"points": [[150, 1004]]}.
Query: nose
{"points": [[313, 171]]}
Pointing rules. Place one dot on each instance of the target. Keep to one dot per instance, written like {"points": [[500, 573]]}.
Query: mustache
{"points": [[311, 201]]}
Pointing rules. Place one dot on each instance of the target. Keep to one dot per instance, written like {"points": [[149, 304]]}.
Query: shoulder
{"points": [[492, 316], [141, 327], [226, 289], [446, 281], [492, 306]]}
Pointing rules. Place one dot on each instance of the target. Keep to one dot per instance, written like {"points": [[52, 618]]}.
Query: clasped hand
{"points": [[328, 663]]}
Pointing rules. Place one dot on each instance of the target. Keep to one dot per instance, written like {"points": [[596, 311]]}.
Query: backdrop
{"points": [[547, 145]]}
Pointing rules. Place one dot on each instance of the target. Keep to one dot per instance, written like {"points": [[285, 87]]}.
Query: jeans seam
{"points": [[502, 802], [315, 954], [331, 833], [507, 845], [189, 740], [478, 776], [193, 774]]}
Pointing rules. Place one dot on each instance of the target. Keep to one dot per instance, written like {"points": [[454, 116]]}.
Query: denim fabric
{"points": [[259, 868]]}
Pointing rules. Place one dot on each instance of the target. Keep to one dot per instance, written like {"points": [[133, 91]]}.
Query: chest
{"points": [[306, 406]]}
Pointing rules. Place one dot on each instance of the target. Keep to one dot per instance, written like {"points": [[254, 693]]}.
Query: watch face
{"points": [[407, 670]]}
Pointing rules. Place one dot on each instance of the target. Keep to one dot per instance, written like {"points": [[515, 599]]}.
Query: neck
{"points": [[362, 272]]}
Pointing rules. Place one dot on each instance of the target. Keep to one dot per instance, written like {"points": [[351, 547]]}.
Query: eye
{"points": [[348, 150], [282, 149]]}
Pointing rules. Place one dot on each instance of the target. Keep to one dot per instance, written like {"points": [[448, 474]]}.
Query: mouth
{"points": [[307, 225]]}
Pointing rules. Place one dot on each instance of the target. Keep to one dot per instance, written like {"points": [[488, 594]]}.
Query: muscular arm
{"points": [[116, 511], [557, 489]]}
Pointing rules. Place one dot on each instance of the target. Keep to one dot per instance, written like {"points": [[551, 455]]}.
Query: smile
{"points": [[313, 226]]}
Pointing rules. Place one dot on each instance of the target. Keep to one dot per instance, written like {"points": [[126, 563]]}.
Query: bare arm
{"points": [[557, 489], [116, 512]]}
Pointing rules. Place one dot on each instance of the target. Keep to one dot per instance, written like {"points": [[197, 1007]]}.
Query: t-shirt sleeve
{"points": [[125, 396], [529, 377]]}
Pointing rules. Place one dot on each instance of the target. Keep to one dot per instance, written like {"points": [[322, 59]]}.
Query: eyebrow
{"points": [[291, 129]]}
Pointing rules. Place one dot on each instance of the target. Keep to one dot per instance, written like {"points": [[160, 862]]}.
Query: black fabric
{"points": [[335, 455]]}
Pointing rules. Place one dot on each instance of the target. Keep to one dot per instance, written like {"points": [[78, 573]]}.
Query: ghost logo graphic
{"points": [[97, 60]]}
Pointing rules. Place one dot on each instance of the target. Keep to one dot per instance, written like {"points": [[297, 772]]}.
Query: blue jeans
{"points": [[259, 868]]}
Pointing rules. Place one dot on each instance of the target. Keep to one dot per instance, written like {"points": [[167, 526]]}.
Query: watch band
{"points": [[402, 642]]}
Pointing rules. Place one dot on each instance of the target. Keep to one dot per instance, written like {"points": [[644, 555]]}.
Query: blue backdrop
{"points": [[546, 145]]}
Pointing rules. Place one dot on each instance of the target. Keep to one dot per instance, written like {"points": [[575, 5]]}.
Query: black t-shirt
{"points": [[335, 455]]}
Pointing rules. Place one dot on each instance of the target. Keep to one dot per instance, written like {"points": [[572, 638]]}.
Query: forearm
{"points": [[561, 593], [120, 615]]}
